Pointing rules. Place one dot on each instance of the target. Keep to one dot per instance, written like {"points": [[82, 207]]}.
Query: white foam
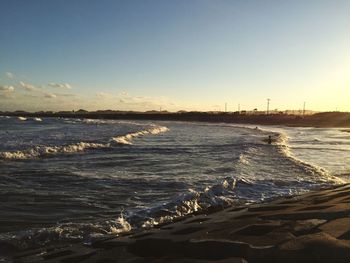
{"points": [[67, 231], [219, 195], [243, 159], [95, 121], [121, 225], [283, 147], [280, 139], [22, 118], [127, 139], [37, 119], [40, 151]]}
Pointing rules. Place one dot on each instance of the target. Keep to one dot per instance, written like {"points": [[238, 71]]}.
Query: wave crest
{"points": [[127, 139], [284, 149], [66, 231], [216, 196], [41, 151]]}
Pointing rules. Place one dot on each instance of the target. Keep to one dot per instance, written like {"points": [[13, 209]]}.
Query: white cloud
{"points": [[104, 95], [50, 95], [66, 95], [28, 87], [10, 75], [7, 89], [60, 85]]}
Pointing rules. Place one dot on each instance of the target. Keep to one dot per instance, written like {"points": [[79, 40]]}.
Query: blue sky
{"points": [[192, 55]]}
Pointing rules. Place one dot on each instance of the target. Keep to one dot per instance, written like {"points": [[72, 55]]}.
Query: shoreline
{"points": [[311, 227], [318, 120]]}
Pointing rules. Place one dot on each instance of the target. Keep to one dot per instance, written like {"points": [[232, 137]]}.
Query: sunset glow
{"points": [[174, 55]]}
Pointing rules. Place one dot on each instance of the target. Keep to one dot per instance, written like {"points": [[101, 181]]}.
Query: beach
{"points": [[312, 227], [174, 131], [86, 189]]}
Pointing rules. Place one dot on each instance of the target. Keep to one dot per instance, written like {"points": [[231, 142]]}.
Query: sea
{"points": [[66, 180]]}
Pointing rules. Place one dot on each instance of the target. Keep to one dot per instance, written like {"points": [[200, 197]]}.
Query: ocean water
{"points": [[75, 180]]}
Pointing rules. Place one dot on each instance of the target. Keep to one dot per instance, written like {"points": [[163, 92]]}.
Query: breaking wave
{"points": [[281, 141], [214, 196], [41, 151], [70, 231], [218, 196], [95, 121], [127, 139]]}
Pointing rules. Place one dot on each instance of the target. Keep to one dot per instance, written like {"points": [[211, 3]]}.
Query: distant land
{"points": [[322, 119]]}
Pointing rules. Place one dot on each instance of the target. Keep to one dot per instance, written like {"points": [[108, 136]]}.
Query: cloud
{"points": [[67, 95], [60, 85], [7, 88], [104, 95], [7, 91], [50, 95], [10, 75], [28, 87]]}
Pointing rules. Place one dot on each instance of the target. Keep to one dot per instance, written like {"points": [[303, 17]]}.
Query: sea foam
{"points": [[127, 139], [41, 151]]}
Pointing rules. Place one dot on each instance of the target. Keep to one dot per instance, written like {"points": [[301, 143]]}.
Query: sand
{"points": [[314, 227]]}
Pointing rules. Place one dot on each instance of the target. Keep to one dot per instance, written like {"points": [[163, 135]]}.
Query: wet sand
{"points": [[314, 227]]}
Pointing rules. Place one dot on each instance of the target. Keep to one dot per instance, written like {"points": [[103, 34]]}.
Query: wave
{"points": [[227, 192], [41, 151], [94, 121], [88, 231], [37, 119], [98, 121], [243, 159], [280, 141], [230, 191], [216, 196], [309, 168], [127, 139], [21, 118], [65, 232]]}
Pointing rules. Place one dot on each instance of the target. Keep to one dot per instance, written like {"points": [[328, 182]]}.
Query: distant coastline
{"points": [[323, 119]]}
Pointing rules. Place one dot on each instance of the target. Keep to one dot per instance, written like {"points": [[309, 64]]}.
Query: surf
{"points": [[43, 151]]}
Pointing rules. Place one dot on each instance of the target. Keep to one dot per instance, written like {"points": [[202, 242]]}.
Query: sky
{"points": [[174, 55]]}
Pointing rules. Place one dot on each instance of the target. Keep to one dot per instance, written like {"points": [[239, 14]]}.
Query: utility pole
{"points": [[268, 106], [225, 106]]}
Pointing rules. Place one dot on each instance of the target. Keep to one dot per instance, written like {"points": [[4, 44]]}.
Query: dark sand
{"points": [[314, 227]]}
